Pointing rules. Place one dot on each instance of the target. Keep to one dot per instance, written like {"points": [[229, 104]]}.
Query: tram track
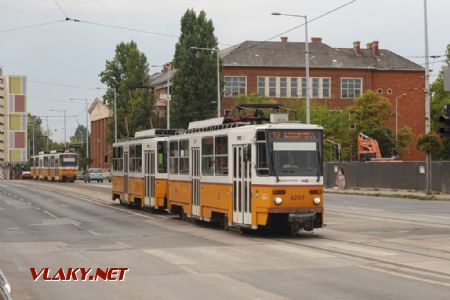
{"points": [[374, 263]]}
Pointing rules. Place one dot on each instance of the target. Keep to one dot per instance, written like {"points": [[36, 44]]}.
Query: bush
{"points": [[429, 142]]}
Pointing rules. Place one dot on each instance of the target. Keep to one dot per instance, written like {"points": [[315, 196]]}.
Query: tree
{"points": [[79, 141], [127, 74], [194, 85], [439, 98], [79, 137]]}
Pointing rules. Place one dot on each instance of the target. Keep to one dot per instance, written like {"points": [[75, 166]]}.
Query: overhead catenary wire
{"points": [[32, 26], [60, 8]]}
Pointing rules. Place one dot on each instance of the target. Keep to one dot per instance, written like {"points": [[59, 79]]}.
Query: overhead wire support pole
{"points": [[427, 102]]}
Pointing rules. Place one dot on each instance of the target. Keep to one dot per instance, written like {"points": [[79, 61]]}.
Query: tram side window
{"points": [[57, 162], [118, 159], [208, 156], [46, 161], [162, 157], [262, 165], [135, 158], [173, 157], [221, 155], [184, 157]]}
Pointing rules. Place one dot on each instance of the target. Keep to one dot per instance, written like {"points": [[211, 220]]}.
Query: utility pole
{"points": [[427, 103]]}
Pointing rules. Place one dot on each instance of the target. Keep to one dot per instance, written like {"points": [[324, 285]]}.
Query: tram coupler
{"points": [[302, 219]]}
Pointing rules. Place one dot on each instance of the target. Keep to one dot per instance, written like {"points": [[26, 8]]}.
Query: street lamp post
{"points": [[396, 118], [65, 139], [308, 101], [87, 125], [218, 73]]}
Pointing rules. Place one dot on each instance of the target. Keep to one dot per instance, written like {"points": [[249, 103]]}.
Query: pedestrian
{"points": [[340, 178]]}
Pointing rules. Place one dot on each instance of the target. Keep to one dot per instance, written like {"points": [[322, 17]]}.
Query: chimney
{"points": [[357, 47], [284, 39], [375, 50], [369, 45], [316, 40]]}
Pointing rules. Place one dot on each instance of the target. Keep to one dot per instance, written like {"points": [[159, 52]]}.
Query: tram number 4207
{"points": [[297, 197]]}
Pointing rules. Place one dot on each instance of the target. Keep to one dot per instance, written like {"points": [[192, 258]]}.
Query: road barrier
{"points": [[389, 175]]}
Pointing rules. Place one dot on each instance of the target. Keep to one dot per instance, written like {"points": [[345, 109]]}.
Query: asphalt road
{"points": [[372, 248]]}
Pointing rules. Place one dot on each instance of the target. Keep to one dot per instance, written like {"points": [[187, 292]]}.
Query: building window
{"points": [[294, 87], [351, 87], [315, 87], [221, 155], [272, 86], [304, 86], [261, 86], [234, 86], [325, 87], [283, 87], [208, 156], [173, 157]]}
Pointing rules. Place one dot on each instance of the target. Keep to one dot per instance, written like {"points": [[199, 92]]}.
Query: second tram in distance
{"points": [[236, 174]]}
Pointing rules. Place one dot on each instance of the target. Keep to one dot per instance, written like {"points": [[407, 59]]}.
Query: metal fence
{"points": [[389, 175]]}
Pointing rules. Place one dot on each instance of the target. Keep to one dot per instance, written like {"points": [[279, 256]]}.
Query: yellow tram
{"points": [[237, 174], [55, 166]]}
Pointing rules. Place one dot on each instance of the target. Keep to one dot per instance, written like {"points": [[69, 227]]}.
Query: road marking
{"points": [[169, 257], [50, 214], [93, 232], [124, 245], [299, 251]]}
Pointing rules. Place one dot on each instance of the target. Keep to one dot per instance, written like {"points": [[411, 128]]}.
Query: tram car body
{"points": [[55, 166], [236, 174], [139, 174]]}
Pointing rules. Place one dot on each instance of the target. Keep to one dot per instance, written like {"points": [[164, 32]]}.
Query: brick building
{"points": [[337, 76], [100, 150]]}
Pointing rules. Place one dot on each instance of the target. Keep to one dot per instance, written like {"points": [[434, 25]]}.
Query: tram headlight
{"points": [[316, 201], [278, 200]]}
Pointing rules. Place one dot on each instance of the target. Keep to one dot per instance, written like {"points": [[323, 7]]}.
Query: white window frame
{"points": [[353, 78], [235, 76]]}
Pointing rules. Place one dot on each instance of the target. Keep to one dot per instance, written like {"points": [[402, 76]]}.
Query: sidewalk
{"points": [[389, 193]]}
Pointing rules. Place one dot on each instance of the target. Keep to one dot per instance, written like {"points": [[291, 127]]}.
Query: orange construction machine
{"points": [[368, 148]]}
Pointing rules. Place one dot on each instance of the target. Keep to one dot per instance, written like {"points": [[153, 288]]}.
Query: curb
{"points": [[389, 194]]}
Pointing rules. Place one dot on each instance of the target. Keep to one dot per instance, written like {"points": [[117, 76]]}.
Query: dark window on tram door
{"points": [[221, 155], [184, 157], [173, 157], [46, 161], [208, 156], [262, 158], [162, 157]]}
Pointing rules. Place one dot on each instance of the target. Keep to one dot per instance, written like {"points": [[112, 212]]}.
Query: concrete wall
{"points": [[392, 175]]}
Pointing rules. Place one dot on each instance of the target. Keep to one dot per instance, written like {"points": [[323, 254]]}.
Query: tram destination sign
{"points": [[295, 135]]}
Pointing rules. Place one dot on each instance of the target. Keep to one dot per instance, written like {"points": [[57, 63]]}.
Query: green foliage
{"points": [[41, 136], [405, 139], [194, 85], [79, 137], [429, 142], [439, 98], [127, 73]]}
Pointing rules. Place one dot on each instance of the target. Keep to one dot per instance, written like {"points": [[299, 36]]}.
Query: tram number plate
{"points": [[297, 197]]}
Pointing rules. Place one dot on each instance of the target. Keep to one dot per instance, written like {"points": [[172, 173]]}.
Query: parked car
{"points": [[94, 175], [26, 175], [5, 287], [81, 175]]}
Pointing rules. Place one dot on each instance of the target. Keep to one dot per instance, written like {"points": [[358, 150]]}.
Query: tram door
{"points": [[195, 181], [242, 184], [149, 178], [125, 176], [56, 165]]}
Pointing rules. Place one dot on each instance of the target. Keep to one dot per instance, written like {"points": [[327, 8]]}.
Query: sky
{"points": [[62, 60]]}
